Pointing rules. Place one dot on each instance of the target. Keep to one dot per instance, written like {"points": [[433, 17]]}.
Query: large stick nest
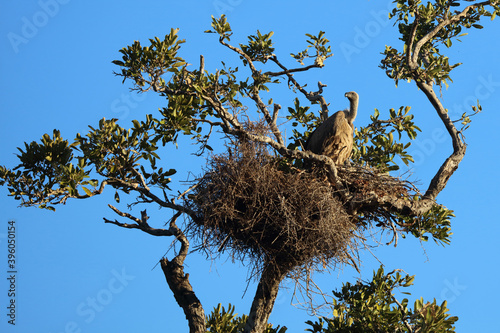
{"points": [[248, 204], [254, 206]]}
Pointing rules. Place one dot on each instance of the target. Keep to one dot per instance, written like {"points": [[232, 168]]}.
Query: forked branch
{"points": [[449, 166]]}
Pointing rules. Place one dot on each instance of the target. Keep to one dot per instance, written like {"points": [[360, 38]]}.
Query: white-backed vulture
{"points": [[334, 137]]}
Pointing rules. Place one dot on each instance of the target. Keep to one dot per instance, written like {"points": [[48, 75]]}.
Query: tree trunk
{"points": [[184, 294], [263, 302]]}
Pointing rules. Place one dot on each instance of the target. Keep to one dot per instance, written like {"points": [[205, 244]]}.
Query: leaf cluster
{"points": [[153, 60], [116, 153], [299, 115], [260, 47], [372, 307], [319, 43], [375, 144], [435, 223], [415, 21], [226, 321], [46, 172], [52, 171]]}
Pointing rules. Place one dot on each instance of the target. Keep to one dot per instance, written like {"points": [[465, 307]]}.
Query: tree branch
{"points": [[173, 270], [403, 314], [254, 95], [148, 194], [449, 166], [180, 285], [311, 96], [141, 223], [293, 70], [202, 65], [441, 25], [276, 109], [264, 299]]}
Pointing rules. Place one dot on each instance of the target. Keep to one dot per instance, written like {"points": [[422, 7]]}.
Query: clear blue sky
{"points": [[77, 274]]}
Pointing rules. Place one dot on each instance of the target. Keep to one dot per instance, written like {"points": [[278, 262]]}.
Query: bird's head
{"points": [[352, 95], [353, 109]]}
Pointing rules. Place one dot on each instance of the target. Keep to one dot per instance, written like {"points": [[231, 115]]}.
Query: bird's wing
{"points": [[328, 128], [334, 125]]}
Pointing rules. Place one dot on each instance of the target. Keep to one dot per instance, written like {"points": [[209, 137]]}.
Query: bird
{"points": [[334, 137]]}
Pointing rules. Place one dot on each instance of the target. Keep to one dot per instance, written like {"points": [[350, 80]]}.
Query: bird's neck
{"points": [[353, 110]]}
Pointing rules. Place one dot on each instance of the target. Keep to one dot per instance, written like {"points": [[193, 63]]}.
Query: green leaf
{"points": [[87, 191]]}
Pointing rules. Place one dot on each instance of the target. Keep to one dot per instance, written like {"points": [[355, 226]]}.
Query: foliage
{"points": [[53, 172], [299, 114], [445, 23], [434, 223], [46, 173], [226, 321], [375, 144], [372, 307], [320, 44]]}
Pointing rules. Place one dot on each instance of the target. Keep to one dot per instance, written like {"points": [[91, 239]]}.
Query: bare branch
{"points": [[277, 107], [141, 223], [143, 181], [148, 194], [449, 166], [270, 120], [241, 53], [411, 37], [293, 70], [311, 96], [211, 123], [187, 191], [227, 118], [202, 65], [181, 237]]}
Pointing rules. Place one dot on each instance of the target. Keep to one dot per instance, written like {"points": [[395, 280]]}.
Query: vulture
{"points": [[334, 137]]}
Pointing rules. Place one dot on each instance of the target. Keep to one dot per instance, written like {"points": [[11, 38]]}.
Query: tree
{"points": [[358, 197]]}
